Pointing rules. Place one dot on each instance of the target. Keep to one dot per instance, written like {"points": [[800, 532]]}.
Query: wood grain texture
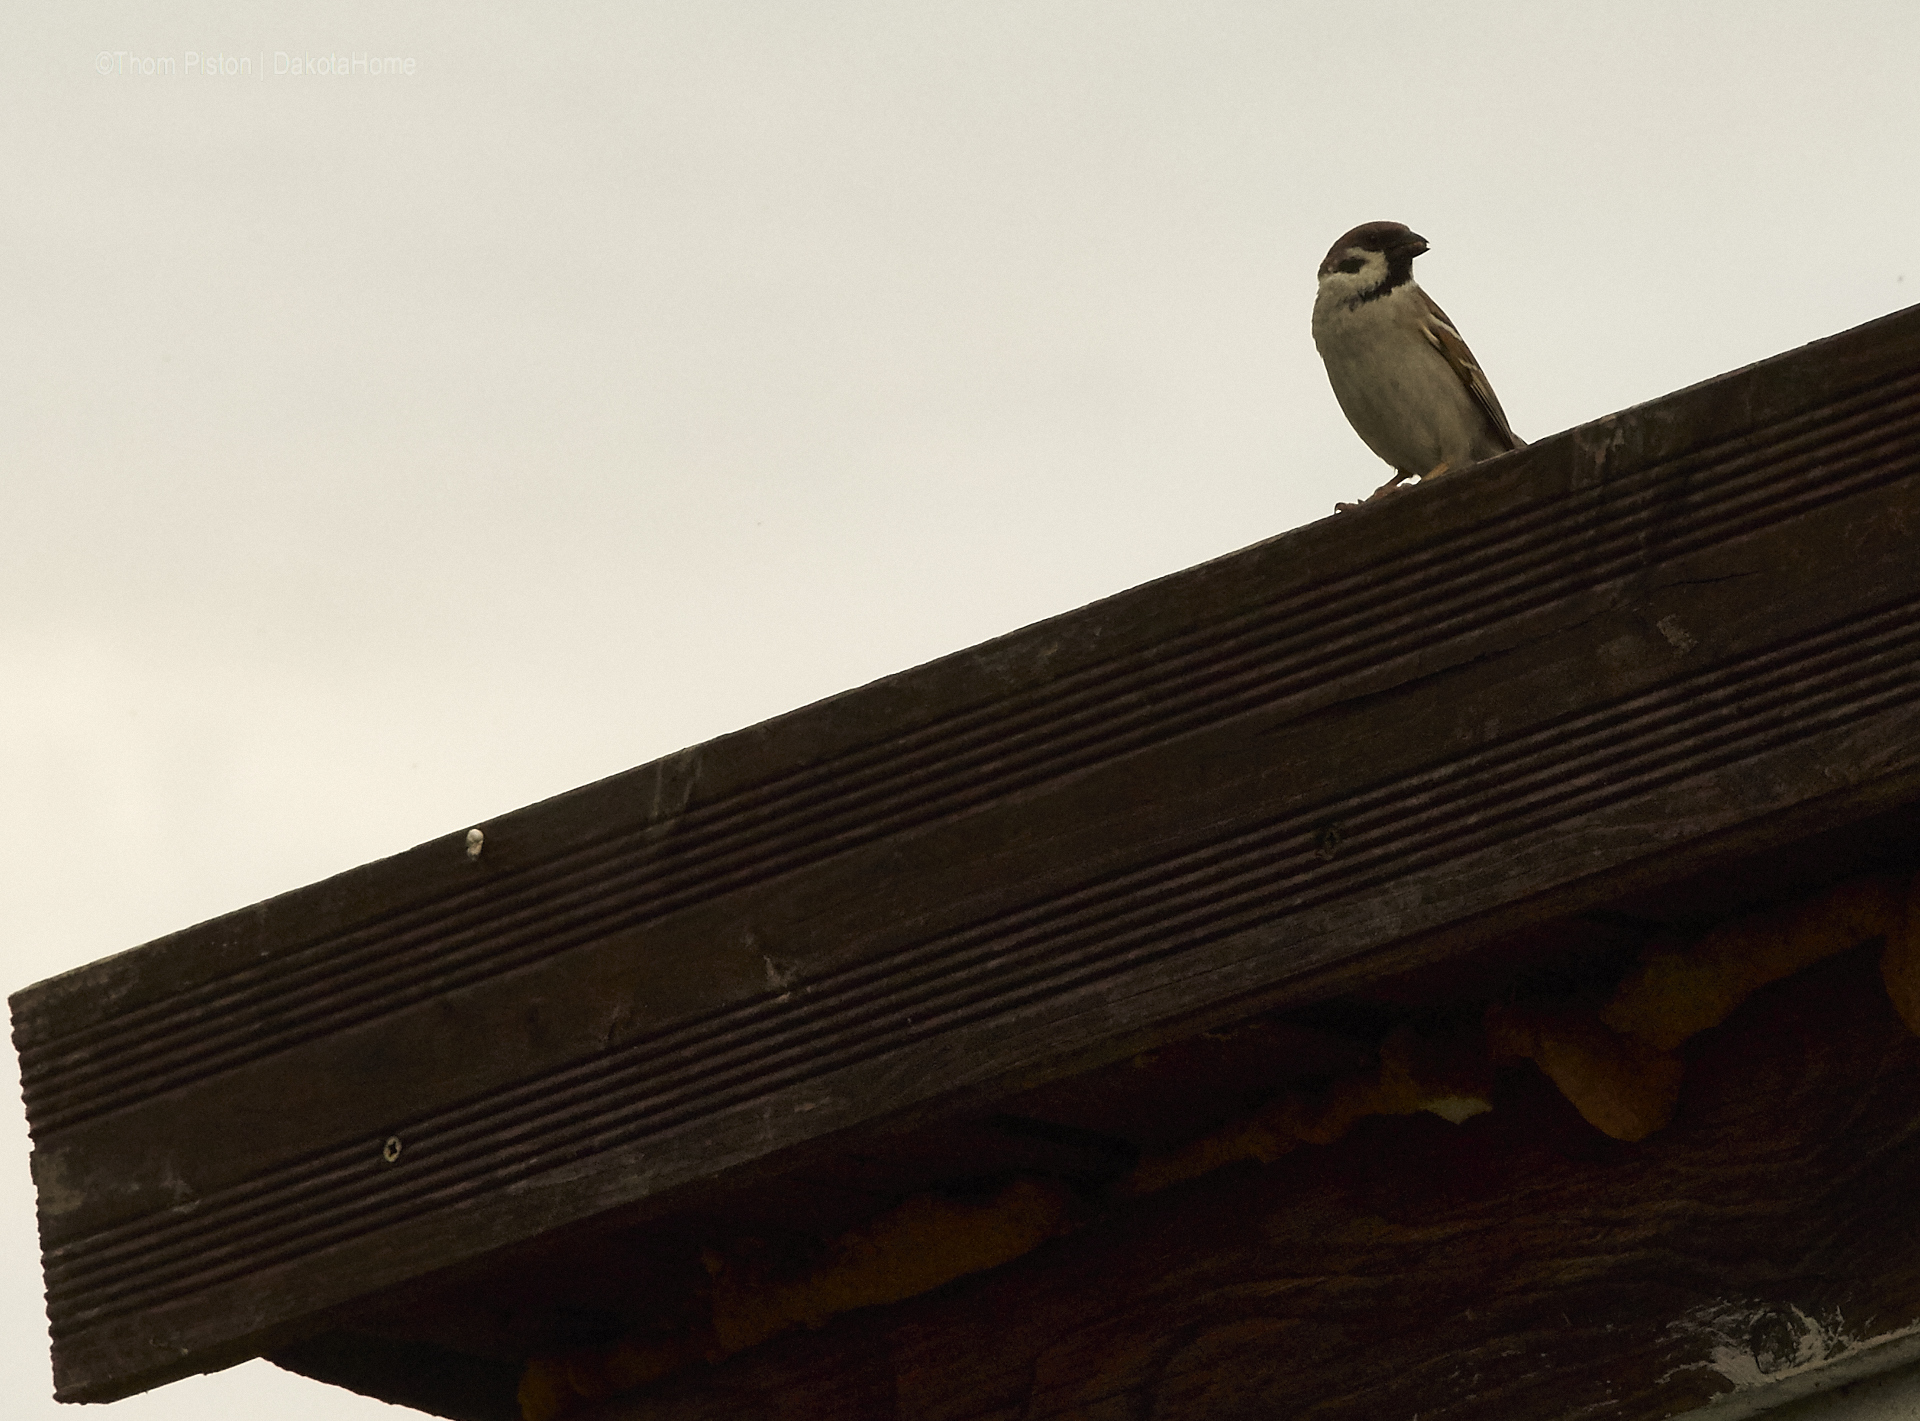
{"points": [[1332, 755], [1518, 1266]]}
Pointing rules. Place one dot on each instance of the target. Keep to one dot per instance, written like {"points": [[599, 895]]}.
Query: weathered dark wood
{"points": [[1519, 1266], [1682, 631], [429, 1378]]}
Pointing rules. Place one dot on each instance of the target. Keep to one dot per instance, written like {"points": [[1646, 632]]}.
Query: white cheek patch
{"points": [[1348, 285]]}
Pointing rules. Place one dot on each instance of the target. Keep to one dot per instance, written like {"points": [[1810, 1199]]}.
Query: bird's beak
{"points": [[1413, 243]]}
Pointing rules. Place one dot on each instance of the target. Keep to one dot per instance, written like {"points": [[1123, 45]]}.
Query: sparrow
{"points": [[1408, 384]]}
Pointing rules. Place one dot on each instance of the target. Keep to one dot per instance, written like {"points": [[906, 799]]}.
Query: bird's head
{"points": [[1371, 260]]}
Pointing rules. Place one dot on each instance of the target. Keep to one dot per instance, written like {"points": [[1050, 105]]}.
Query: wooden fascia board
{"points": [[1330, 755]]}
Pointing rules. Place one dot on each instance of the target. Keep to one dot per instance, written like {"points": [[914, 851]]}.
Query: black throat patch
{"points": [[1399, 273]]}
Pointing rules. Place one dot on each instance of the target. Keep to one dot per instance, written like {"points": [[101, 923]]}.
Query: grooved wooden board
{"points": [[1689, 627]]}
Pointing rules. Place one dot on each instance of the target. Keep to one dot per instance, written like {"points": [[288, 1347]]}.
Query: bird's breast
{"points": [[1400, 394]]}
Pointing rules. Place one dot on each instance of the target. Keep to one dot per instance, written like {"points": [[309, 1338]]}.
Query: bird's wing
{"points": [[1441, 332]]}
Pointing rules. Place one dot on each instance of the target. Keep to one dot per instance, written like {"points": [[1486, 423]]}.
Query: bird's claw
{"points": [[1389, 486]]}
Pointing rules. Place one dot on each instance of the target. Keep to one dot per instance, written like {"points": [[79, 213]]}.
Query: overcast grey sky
{"points": [[385, 452]]}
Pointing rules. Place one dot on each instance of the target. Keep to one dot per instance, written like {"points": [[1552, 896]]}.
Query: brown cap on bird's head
{"points": [[1396, 239]]}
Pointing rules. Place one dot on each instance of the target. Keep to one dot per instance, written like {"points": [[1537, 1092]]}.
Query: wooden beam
{"points": [[1683, 631]]}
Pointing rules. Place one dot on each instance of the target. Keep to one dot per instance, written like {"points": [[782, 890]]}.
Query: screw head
{"points": [[390, 1152]]}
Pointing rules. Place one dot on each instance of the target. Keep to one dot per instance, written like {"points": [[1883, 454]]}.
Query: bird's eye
{"points": [[1350, 265]]}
